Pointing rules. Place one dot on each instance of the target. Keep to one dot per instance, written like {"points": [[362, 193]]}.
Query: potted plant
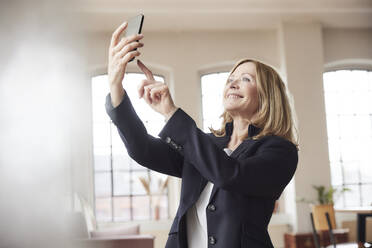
{"points": [[324, 203]]}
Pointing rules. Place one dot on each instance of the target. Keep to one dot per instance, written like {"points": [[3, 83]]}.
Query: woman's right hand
{"points": [[120, 53]]}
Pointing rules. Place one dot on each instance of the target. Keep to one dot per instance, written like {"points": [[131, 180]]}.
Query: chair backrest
{"points": [[331, 235], [315, 234], [320, 220], [330, 231]]}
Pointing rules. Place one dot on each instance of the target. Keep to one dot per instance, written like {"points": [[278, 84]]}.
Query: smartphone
{"points": [[134, 27]]}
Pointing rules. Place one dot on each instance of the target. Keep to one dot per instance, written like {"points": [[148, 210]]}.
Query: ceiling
{"points": [[185, 15]]}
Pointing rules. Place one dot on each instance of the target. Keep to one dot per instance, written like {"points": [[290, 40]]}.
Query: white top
{"points": [[197, 232]]}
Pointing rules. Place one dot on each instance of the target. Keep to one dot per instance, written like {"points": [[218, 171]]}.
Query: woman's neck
{"points": [[239, 133]]}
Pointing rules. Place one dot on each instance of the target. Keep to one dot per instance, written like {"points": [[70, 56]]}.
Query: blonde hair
{"points": [[274, 113]]}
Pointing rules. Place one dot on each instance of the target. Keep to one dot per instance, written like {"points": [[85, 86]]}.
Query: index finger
{"points": [[117, 33], [145, 70]]}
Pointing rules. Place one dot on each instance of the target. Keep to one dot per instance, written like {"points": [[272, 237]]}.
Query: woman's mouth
{"points": [[234, 96]]}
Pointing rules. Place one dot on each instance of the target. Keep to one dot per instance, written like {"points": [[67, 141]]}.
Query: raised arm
{"points": [[147, 150]]}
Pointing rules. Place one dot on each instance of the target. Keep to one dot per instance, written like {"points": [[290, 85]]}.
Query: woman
{"points": [[231, 177]]}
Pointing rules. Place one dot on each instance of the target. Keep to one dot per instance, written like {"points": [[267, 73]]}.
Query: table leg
{"points": [[361, 227]]}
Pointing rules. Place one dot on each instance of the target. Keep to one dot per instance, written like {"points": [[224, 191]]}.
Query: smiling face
{"points": [[240, 96]]}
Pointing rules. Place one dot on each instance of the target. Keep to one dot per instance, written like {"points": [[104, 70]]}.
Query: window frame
{"points": [[347, 65], [173, 185]]}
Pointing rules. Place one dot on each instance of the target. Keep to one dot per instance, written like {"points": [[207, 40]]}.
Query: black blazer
{"points": [[246, 184]]}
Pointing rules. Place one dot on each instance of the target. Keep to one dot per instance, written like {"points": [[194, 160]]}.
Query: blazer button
{"points": [[168, 140], [212, 240], [211, 207]]}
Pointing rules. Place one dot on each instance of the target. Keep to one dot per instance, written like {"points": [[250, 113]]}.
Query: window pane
{"points": [[155, 125], [117, 143], [121, 183], [102, 182], [162, 202], [336, 171], [158, 180], [352, 197], [351, 171], [121, 161], [365, 171], [101, 134], [141, 207], [99, 91], [333, 126], [212, 86], [121, 208], [348, 99], [137, 187], [362, 102], [369, 102], [369, 81], [102, 159], [136, 166], [367, 194], [339, 200], [347, 125], [334, 149], [349, 149], [103, 209], [332, 103]]}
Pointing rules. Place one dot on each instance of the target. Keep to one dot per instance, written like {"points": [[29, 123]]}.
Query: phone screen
{"points": [[134, 27]]}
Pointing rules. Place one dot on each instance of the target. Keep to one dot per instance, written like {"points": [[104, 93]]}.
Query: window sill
{"points": [[145, 225]]}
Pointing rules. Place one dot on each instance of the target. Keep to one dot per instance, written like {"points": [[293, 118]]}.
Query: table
{"points": [[362, 214]]}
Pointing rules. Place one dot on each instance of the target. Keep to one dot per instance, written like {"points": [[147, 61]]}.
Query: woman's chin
{"points": [[231, 109]]}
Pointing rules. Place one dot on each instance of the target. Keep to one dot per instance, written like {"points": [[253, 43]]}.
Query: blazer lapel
{"points": [[222, 143]]}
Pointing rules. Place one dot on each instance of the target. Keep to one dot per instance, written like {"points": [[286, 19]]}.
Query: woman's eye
{"points": [[230, 80], [246, 79]]}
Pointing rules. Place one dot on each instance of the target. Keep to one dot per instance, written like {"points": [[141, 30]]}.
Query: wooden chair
{"points": [[332, 236]]}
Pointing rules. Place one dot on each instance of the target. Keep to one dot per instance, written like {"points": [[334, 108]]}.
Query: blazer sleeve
{"points": [[264, 174], [145, 149]]}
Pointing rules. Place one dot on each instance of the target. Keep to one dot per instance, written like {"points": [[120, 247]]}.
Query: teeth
{"points": [[233, 96]]}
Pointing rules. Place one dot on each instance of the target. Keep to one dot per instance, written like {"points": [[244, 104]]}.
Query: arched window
{"points": [[348, 102], [212, 89], [119, 193]]}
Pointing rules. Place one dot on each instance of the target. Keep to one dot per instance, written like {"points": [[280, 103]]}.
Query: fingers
{"points": [[154, 92], [148, 88], [141, 87], [157, 92], [126, 40], [129, 47], [146, 95], [128, 57], [115, 36], [145, 70]]}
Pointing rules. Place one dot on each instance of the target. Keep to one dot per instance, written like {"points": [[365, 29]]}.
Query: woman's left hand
{"points": [[155, 93]]}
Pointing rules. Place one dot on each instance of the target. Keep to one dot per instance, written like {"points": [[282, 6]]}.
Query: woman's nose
{"points": [[234, 84]]}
